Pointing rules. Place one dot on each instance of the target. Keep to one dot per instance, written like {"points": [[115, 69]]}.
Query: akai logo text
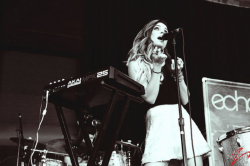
{"points": [[74, 82]]}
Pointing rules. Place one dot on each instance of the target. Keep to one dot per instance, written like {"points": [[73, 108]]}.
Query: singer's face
{"points": [[158, 30]]}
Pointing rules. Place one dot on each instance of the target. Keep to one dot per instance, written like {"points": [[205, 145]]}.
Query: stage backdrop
{"points": [[226, 106]]}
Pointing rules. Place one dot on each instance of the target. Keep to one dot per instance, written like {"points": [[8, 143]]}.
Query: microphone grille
{"points": [[178, 30]]}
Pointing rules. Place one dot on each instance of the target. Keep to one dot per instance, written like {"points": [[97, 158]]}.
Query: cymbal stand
{"points": [[121, 146], [137, 150], [128, 162], [43, 160], [20, 138], [19, 142]]}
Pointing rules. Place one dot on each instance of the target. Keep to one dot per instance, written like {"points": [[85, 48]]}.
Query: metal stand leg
{"points": [[115, 133], [103, 129], [84, 131], [65, 131]]}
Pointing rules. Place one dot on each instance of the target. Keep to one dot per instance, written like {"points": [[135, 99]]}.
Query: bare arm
{"points": [[183, 88], [152, 86], [183, 92]]}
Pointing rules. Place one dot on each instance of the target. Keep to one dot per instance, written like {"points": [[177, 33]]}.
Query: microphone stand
{"points": [[181, 119], [20, 137]]}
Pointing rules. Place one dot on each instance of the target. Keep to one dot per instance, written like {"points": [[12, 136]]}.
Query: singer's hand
{"points": [[179, 64], [158, 57]]}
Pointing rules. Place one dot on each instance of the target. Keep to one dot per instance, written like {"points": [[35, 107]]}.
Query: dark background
{"points": [[43, 41]]}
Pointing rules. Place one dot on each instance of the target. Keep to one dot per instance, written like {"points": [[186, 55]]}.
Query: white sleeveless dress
{"points": [[163, 140]]}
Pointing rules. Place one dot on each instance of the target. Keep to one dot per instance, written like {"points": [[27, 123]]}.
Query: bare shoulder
{"points": [[132, 66]]}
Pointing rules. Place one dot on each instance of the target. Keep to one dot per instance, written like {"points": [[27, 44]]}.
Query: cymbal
{"points": [[127, 144], [59, 145], [28, 142]]}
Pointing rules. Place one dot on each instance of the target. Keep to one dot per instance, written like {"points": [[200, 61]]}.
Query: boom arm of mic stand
{"points": [[181, 119]]}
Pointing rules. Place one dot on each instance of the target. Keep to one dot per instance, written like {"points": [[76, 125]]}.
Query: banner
{"points": [[237, 3], [226, 106]]}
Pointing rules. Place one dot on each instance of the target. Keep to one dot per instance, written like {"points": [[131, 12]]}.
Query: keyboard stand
{"points": [[65, 131], [103, 128]]}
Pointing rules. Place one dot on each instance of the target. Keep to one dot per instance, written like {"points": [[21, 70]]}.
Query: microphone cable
{"points": [[37, 136]]}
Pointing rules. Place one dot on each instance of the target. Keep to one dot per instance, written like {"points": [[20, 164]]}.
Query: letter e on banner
{"points": [[218, 101]]}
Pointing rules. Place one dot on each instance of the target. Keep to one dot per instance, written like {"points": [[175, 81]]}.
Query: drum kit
{"points": [[234, 147], [123, 158], [59, 148]]}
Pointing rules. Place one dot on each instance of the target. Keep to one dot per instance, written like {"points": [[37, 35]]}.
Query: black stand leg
{"points": [[115, 133], [103, 129], [84, 131], [65, 131]]}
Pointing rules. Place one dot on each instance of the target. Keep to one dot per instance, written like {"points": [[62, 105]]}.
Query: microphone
{"points": [[170, 34]]}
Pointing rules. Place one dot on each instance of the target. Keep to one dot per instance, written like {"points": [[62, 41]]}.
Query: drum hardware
{"points": [[81, 160], [128, 161], [118, 158], [127, 155], [51, 162], [42, 151], [239, 143], [234, 146], [127, 158], [231, 133], [129, 144], [28, 142], [43, 158], [221, 149], [137, 150], [27, 145], [59, 146], [20, 137], [48, 161], [121, 145]]}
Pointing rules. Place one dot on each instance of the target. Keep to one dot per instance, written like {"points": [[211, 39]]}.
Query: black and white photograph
{"points": [[124, 83]]}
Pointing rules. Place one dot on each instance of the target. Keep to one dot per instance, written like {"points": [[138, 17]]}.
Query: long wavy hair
{"points": [[143, 45]]}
